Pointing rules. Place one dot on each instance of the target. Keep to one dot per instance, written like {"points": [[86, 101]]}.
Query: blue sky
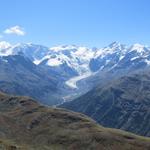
{"points": [[81, 22]]}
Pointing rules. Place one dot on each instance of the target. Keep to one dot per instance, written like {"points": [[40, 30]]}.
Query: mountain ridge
{"points": [[25, 124], [121, 103]]}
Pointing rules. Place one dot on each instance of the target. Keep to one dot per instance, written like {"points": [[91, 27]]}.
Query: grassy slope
{"points": [[26, 125]]}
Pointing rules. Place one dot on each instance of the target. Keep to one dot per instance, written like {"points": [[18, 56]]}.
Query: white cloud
{"points": [[15, 30]]}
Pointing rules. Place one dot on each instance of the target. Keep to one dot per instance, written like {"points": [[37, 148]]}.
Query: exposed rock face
{"points": [[19, 76]]}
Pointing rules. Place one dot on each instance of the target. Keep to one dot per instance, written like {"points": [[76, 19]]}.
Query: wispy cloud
{"points": [[17, 30]]}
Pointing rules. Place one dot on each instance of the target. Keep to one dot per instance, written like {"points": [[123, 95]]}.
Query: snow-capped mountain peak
{"points": [[114, 47], [4, 45], [4, 48], [115, 44], [138, 48], [77, 57], [63, 47], [79, 60]]}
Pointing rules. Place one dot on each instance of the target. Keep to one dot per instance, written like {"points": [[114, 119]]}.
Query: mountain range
{"points": [[76, 69], [110, 84]]}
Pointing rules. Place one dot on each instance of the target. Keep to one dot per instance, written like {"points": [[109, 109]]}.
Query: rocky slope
{"points": [[18, 75], [123, 103], [26, 125]]}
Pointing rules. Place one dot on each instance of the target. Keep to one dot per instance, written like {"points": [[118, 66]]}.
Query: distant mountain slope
{"points": [[81, 60], [26, 125], [78, 69], [123, 103], [18, 75], [115, 61]]}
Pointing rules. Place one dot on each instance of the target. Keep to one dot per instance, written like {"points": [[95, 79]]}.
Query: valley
{"points": [[93, 81], [74, 75]]}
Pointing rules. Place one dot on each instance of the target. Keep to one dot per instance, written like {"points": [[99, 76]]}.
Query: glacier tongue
{"points": [[73, 81]]}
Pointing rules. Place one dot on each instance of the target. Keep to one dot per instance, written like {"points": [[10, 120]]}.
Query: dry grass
{"points": [[30, 126]]}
